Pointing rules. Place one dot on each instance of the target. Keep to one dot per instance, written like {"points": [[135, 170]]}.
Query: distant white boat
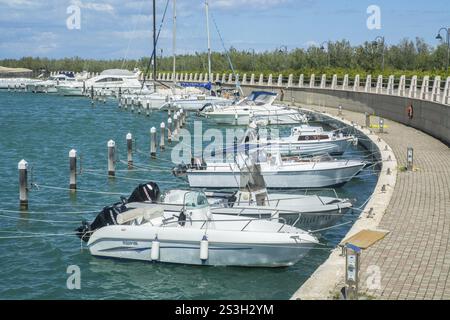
{"points": [[50, 85], [258, 105], [16, 83], [278, 172], [304, 140]]}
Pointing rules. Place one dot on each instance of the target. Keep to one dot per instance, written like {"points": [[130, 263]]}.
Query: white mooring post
{"points": [[379, 88], [280, 80], [261, 80], [244, 79], [169, 130], [153, 142], [111, 158], [323, 81], [73, 169], [252, 79], [290, 80], [23, 184], [269, 81], [130, 150], [175, 126], [162, 134], [401, 92]]}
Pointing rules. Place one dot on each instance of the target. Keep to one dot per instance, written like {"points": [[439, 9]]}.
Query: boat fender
{"points": [[182, 219], [154, 254], [355, 141], [204, 246]]}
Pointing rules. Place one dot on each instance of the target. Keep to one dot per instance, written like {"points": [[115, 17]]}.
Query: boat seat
{"points": [[146, 214]]}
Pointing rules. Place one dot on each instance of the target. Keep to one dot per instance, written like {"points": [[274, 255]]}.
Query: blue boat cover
{"points": [[206, 86]]}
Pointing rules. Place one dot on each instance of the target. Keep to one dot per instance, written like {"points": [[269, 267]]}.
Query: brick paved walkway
{"points": [[415, 257]]}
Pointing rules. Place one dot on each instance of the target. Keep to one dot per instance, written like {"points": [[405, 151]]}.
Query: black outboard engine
{"points": [[180, 170], [105, 218], [145, 192]]}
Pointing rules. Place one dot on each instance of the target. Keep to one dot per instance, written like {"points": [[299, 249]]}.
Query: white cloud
{"points": [[21, 4]]}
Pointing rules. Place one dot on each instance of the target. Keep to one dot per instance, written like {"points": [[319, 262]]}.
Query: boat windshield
{"points": [[259, 98], [195, 200]]}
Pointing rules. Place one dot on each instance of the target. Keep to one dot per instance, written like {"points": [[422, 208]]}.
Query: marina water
{"points": [[37, 247]]}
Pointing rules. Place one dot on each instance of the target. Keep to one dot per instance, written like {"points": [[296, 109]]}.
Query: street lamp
{"points": [[322, 47], [381, 40], [440, 38]]}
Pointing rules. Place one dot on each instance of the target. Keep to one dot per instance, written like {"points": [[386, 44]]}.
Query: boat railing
{"points": [[249, 221]]}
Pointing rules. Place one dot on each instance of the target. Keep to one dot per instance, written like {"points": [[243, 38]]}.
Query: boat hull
{"points": [[276, 179], [334, 148], [183, 247]]}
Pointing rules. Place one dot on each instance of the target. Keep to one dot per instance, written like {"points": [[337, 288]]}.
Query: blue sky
{"points": [[122, 28]]}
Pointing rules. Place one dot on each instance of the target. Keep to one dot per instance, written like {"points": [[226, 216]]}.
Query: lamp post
{"points": [[381, 40], [322, 47], [439, 37]]}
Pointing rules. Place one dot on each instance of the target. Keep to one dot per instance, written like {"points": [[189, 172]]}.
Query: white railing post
{"points": [[402, 86], [334, 82], [424, 90], [345, 83], [290, 80], [261, 80], [244, 79], [368, 86], [413, 88], [312, 81], [280, 80], [356, 83], [301, 81], [236, 81], [230, 78], [269, 81], [446, 93], [224, 78], [379, 88], [436, 93], [200, 79], [196, 77], [390, 87], [323, 81], [252, 79]]}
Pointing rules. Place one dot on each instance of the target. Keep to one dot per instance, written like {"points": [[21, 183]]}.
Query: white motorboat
{"points": [[305, 140], [278, 172], [16, 83], [258, 105], [193, 235], [50, 85]]}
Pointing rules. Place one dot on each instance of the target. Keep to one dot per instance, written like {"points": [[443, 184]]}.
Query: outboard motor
{"points": [[145, 192], [105, 218]]}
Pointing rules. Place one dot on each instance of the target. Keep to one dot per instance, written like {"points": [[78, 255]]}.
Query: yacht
{"points": [[304, 140], [258, 105], [50, 85]]}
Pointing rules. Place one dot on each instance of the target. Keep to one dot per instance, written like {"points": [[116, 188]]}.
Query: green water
{"points": [[42, 129]]}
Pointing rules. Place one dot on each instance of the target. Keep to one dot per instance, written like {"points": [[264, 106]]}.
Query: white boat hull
{"points": [[182, 246], [285, 179], [336, 147]]}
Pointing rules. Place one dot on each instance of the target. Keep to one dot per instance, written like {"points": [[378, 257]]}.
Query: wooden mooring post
{"points": [[23, 184]]}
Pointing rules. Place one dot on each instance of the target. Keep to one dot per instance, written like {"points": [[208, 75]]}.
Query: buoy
{"points": [[204, 248], [154, 255]]}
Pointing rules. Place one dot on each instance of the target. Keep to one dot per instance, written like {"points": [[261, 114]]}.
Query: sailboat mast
{"points": [[174, 40], [154, 45], [209, 39]]}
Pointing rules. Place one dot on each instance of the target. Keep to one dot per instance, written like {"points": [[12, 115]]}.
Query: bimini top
{"points": [[256, 94], [117, 72]]}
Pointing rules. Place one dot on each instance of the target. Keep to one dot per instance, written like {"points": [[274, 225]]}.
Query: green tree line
{"points": [[407, 57]]}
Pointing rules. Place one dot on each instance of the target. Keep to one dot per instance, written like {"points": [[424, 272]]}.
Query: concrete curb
{"points": [[324, 281]]}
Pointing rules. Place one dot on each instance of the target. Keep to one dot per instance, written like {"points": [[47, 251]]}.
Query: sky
{"points": [[117, 29]]}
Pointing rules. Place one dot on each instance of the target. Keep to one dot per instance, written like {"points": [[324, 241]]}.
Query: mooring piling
{"points": [[153, 142], [111, 158], [175, 127], [23, 184], [73, 169], [410, 159], [169, 130], [162, 139], [130, 150]]}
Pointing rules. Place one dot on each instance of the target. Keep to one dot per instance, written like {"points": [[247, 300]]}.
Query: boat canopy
{"points": [[261, 98], [206, 85]]}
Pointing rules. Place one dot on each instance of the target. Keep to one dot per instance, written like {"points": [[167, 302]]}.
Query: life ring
{"points": [[410, 111]]}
